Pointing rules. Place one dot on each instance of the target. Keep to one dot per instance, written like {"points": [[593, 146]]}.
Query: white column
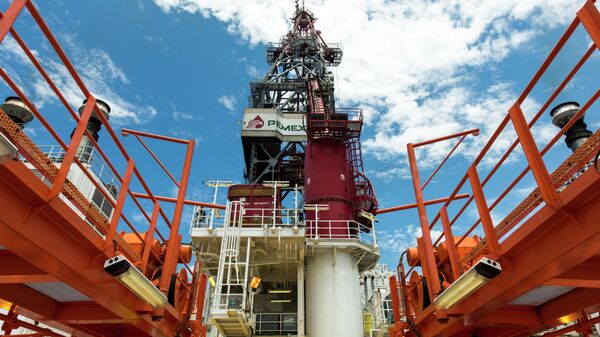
{"points": [[333, 307]]}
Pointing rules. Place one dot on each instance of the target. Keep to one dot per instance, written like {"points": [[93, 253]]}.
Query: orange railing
{"points": [[546, 185], [57, 177]]}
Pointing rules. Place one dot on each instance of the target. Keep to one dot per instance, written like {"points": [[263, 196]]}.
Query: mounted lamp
{"points": [[19, 113], [132, 278], [476, 277]]}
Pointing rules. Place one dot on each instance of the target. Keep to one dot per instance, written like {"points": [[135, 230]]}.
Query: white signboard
{"points": [[289, 127]]}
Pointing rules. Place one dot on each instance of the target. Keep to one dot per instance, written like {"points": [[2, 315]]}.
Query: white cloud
{"points": [[390, 174], [228, 101], [180, 115], [150, 39], [252, 71], [96, 68], [187, 135], [409, 64], [398, 240]]}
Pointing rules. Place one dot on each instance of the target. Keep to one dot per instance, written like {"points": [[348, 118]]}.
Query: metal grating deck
{"points": [[58, 291], [540, 295]]}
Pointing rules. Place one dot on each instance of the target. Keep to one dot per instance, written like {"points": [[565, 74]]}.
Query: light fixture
{"points": [[578, 133], [281, 301], [132, 278], [481, 273], [255, 283], [8, 151], [5, 304], [17, 111], [280, 291]]}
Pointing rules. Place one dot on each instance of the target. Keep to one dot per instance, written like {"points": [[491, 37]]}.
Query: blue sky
{"points": [[419, 69]]}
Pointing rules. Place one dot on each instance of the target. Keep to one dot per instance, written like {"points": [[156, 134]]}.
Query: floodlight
{"points": [[480, 274], [255, 283], [132, 278]]}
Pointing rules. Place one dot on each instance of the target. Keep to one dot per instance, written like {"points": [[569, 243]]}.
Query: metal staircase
{"points": [[229, 301], [364, 195]]}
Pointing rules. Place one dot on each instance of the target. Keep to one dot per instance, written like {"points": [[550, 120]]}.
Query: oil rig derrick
{"points": [[278, 102], [293, 251], [284, 266]]}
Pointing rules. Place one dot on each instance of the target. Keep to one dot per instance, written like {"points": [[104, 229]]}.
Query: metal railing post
{"points": [[532, 153], [61, 178], [172, 254], [150, 236], [428, 264], [114, 221], [484, 213], [450, 243]]}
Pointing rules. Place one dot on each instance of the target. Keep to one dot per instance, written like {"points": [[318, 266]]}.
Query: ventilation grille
{"points": [[103, 205]]}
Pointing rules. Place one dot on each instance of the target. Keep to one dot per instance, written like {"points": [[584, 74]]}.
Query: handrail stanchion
{"points": [[450, 243], [429, 266], [172, 253], [116, 217], [63, 171], [484, 213], [150, 236], [534, 158]]}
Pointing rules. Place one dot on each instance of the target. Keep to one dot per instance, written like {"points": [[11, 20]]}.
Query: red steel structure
{"points": [[334, 138], [44, 241], [548, 246]]}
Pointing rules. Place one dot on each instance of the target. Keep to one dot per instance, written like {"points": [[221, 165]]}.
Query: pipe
{"points": [[186, 202], [427, 203]]}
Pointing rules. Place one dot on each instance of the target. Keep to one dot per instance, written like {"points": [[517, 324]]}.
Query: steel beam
{"points": [[29, 299], [57, 241], [551, 243], [513, 315], [552, 311], [16, 270]]}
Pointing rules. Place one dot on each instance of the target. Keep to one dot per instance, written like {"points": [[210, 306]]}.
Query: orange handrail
{"points": [[589, 17], [125, 179]]}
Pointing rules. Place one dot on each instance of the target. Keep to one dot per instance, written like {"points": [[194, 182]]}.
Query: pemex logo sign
{"points": [[259, 121], [255, 123]]}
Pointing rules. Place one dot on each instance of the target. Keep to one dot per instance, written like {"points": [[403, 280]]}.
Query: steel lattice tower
{"points": [[301, 54]]}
